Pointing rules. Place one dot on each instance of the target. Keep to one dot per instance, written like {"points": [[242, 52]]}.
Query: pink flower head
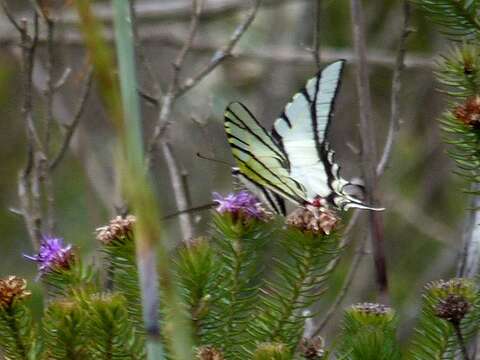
{"points": [[241, 203], [52, 255]]}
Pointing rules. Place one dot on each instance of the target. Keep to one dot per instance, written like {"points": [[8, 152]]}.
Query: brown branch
{"points": [[176, 90], [173, 10], [140, 50], [369, 149], [394, 123], [70, 128], [267, 53], [316, 34], [220, 55], [172, 93], [29, 177], [180, 191], [356, 260], [10, 17]]}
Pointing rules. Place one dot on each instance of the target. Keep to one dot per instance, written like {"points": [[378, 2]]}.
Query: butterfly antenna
{"points": [[214, 160], [192, 209]]}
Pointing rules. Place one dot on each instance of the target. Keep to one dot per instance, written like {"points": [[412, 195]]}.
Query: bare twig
{"points": [[394, 124], [164, 114], [468, 264], [10, 17], [29, 177], [140, 50], [172, 93], [356, 260], [62, 79], [173, 10], [316, 34], [222, 54], [266, 53], [70, 128], [177, 90], [179, 190], [369, 149]]}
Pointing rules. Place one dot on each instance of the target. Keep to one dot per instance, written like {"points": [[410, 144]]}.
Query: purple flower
{"points": [[52, 255], [241, 203]]}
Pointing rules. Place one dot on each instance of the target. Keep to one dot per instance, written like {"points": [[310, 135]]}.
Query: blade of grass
{"points": [[124, 110]]}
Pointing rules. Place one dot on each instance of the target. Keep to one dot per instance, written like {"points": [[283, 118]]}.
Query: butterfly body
{"points": [[294, 161]]}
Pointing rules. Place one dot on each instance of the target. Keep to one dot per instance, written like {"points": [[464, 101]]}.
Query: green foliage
{"points": [[240, 245], [434, 337], [199, 271], [110, 333], [271, 351], [64, 330], [298, 282], [369, 333], [64, 282], [123, 273], [455, 17], [465, 150], [17, 333], [459, 72]]}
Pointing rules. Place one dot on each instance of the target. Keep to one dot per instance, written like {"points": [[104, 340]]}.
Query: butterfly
{"points": [[294, 161]]}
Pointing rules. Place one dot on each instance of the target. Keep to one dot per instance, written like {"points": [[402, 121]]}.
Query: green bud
{"points": [[271, 351]]}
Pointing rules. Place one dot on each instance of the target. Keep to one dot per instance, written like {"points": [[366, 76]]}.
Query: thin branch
{"points": [[140, 50], [394, 123], [468, 263], [369, 149], [172, 93], [179, 191], [62, 79], [176, 90], [197, 6], [222, 54], [461, 340], [356, 260], [74, 123], [173, 10], [10, 17], [266, 53], [316, 34]]}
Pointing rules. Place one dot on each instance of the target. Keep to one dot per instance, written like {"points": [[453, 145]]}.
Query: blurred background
{"points": [[425, 207]]}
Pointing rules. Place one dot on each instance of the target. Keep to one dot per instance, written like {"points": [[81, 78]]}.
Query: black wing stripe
{"points": [[273, 186], [268, 196], [266, 168], [245, 127]]}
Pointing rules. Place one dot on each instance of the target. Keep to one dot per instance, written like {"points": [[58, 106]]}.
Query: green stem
{"points": [[304, 270], [237, 252], [461, 341], [9, 318], [471, 18]]}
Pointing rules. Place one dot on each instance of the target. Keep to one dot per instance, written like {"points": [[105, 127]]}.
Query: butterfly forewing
{"points": [[258, 156]]}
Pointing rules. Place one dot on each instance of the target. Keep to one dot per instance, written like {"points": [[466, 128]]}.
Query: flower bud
{"points": [[313, 219], [312, 348], [271, 351], [469, 112], [208, 353], [12, 288], [118, 229]]}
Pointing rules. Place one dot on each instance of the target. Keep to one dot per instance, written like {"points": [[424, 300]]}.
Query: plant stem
{"points": [[461, 340]]}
